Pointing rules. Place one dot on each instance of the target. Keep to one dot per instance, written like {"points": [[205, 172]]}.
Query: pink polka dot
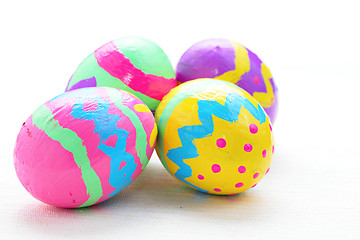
{"points": [[256, 175], [253, 128], [264, 153], [270, 127], [239, 185], [248, 147], [253, 186], [201, 177], [217, 189], [221, 143], [216, 168], [256, 80], [242, 169], [273, 149], [267, 171]]}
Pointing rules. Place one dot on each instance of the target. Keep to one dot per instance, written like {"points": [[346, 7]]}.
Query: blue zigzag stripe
{"points": [[228, 112], [105, 125]]}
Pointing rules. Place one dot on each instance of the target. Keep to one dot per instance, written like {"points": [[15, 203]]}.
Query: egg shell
{"points": [[84, 146], [214, 137], [133, 64], [229, 61]]}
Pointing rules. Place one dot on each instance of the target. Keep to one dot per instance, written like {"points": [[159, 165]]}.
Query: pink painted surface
{"points": [[216, 168], [99, 161], [117, 65], [46, 163], [147, 123], [50, 173], [221, 143]]}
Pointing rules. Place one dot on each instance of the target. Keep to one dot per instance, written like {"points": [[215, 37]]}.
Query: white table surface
{"points": [[312, 49]]}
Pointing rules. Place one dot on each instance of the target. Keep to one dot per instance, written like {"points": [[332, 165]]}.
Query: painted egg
{"points": [[226, 60], [84, 146], [133, 64], [214, 136]]}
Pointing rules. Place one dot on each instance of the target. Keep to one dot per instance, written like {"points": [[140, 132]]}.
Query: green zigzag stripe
{"points": [[141, 142], [69, 140]]}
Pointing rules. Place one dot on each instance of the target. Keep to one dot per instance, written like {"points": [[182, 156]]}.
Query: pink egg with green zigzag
{"points": [[133, 64], [84, 146]]}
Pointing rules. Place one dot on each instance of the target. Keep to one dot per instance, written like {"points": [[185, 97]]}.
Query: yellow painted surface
{"points": [[266, 99], [141, 108], [242, 65], [230, 157]]}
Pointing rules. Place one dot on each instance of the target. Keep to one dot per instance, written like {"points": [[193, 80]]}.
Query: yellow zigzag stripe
{"points": [[266, 99], [242, 64]]}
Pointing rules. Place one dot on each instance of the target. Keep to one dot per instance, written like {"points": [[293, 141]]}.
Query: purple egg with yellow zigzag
{"points": [[229, 61]]}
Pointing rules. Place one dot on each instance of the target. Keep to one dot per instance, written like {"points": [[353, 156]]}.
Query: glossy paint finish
{"points": [[229, 61], [136, 65], [84, 146], [214, 137]]}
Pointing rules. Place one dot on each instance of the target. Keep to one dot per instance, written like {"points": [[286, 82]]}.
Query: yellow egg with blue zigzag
{"points": [[214, 137]]}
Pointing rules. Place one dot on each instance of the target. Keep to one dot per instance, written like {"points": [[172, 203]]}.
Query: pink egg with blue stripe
{"points": [[84, 146], [133, 64]]}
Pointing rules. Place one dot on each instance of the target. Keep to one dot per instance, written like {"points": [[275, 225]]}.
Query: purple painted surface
{"points": [[248, 80], [89, 82], [253, 81], [217, 57], [211, 58]]}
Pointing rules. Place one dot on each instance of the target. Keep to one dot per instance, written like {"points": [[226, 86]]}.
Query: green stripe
{"points": [[69, 140], [90, 68], [146, 56], [193, 88], [141, 142]]}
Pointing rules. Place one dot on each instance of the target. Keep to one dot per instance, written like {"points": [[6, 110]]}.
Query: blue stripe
{"points": [[228, 112]]}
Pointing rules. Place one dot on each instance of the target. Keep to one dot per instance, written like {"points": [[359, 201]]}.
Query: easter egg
{"points": [[133, 64], [229, 61], [84, 146], [214, 137]]}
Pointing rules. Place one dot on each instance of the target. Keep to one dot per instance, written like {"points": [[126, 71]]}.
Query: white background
{"points": [[312, 49]]}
